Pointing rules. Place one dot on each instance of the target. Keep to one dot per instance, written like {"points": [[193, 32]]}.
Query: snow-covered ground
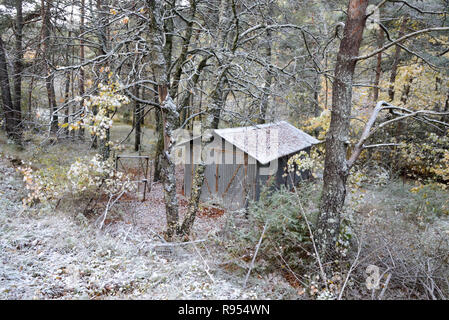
{"points": [[54, 256]]}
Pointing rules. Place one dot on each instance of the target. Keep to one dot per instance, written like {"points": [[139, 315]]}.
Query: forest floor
{"points": [[53, 255]]}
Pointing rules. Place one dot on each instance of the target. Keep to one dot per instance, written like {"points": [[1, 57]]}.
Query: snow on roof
{"points": [[268, 142], [265, 142]]}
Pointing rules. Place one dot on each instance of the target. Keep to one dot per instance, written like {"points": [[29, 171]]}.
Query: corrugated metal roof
{"points": [[268, 142], [265, 142]]}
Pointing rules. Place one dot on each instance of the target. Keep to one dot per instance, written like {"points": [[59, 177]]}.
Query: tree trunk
{"points": [[105, 149], [187, 97], [8, 108], [159, 145], [213, 111], [195, 195], [160, 139], [336, 168], [49, 77], [30, 98], [66, 99], [394, 67], [406, 91], [212, 122], [169, 119], [142, 109], [168, 30], [137, 122], [81, 70], [268, 79], [102, 22], [68, 79], [380, 42], [170, 116], [18, 67], [185, 46]]}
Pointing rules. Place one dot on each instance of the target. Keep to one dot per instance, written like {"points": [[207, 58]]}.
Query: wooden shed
{"points": [[241, 160]]}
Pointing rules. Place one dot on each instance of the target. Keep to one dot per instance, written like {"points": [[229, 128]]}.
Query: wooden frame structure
{"points": [[145, 165]]}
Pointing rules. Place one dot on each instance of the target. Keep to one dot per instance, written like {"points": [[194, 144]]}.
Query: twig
{"points": [[255, 254], [126, 235], [303, 213], [105, 212], [110, 206], [290, 269], [206, 266], [405, 37], [353, 266], [385, 287]]}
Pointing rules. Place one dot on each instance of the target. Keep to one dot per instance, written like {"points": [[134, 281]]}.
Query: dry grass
{"points": [[411, 250]]}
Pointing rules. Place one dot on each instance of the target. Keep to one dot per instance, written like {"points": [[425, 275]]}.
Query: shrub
{"points": [[426, 203], [286, 241], [84, 178], [105, 104]]}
